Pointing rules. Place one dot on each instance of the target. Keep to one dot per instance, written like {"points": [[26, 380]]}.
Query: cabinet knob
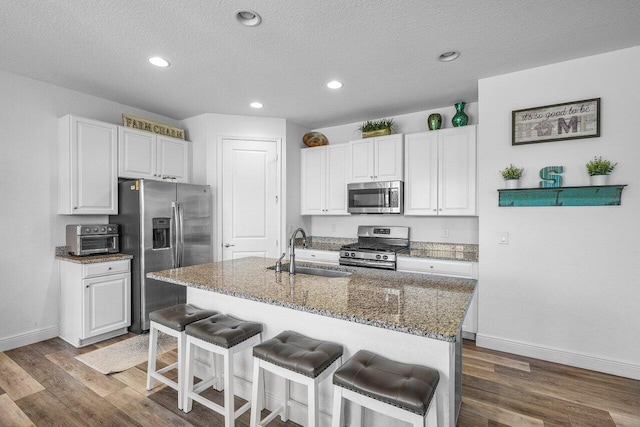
{"points": [[87, 286], [440, 209], [434, 210], [75, 207], [109, 268]]}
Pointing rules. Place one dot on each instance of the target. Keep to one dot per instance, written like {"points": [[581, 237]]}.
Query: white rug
{"points": [[125, 354]]}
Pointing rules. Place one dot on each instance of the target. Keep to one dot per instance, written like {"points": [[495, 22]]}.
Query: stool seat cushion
{"points": [[223, 331], [298, 353], [178, 316], [410, 387]]}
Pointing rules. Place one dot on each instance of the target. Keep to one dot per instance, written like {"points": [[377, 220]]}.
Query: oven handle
{"points": [[389, 265]]}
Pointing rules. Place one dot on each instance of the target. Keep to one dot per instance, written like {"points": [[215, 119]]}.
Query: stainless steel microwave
{"points": [[93, 239], [375, 197]]}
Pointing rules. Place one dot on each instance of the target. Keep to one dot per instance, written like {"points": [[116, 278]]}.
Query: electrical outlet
{"points": [[445, 233], [333, 227], [504, 238]]}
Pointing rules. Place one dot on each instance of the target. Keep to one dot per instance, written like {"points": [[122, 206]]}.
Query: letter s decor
{"points": [[550, 176]]}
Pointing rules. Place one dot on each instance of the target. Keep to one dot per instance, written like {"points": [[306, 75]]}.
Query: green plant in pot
{"points": [[599, 170], [380, 127], [511, 176]]}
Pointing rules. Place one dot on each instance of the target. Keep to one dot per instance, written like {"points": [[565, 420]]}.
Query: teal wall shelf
{"points": [[605, 195]]}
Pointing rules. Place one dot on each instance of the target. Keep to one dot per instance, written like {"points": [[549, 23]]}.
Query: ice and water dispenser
{"points": [[161, 233]]}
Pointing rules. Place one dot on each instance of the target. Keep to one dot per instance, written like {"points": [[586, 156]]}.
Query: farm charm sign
{"points": [[571, 120], [149, 126]]}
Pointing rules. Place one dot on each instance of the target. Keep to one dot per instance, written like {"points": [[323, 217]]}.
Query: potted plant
{"points": [[377, 127], [511, 176], [599, 170]]}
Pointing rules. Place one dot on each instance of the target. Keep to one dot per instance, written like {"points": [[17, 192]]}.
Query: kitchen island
{"points": [[411, 318]]}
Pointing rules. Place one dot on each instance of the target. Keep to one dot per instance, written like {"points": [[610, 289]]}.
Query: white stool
{"points": [[293, 357], [171, 321], [399, 390], [226, 336]]}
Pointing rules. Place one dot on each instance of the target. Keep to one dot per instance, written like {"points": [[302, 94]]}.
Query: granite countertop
{"points": [[418, 304], [444, 251], [63, 255]]}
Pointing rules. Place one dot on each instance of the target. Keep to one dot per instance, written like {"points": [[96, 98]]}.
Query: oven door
{"points": [[98, 244], [375, 197]]}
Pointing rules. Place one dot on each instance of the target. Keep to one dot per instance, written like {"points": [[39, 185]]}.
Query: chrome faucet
{"points": [[292, 251]]}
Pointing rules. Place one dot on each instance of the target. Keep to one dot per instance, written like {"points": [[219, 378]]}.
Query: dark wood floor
{"points": [[43, 385]]}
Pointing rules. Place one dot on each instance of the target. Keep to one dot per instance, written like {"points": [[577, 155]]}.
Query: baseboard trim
{"points": [[26, 338], [585, 361]]}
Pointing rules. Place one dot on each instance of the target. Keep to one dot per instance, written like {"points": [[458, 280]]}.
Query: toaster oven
{"points": [[93, 239]]}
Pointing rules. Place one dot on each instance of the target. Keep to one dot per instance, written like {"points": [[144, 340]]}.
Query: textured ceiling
{"points": [[383, 51]]}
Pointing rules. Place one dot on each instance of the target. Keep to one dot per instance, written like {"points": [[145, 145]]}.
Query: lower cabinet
{"points": [[95, 302], [319, 256]]}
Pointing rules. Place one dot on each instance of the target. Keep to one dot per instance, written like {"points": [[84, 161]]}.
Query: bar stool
{"points": [[226, 336], [293, 357], [171, 321], [403, 391]]}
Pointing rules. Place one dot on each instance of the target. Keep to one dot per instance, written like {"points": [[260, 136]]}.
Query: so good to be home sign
{"points": [[571, 120]]}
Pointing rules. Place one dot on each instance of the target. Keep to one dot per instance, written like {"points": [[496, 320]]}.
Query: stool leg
{"points": [[286, 393], [358, 418], [151, 363], [338, 408], [256, 392], [188, 384], [182, 348], [432, 412], [229, 419], [312, 404]]}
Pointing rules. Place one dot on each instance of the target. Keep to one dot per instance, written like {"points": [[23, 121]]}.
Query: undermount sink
{"points": [[315, 271]]}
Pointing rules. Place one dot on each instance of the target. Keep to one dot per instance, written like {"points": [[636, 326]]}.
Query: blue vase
{"points": [[461, 118]]}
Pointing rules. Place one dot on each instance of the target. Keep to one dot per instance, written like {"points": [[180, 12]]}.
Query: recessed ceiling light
{"points": [[449, 56], [256, 105], [334, 84], [159, 62], [248, 17]]}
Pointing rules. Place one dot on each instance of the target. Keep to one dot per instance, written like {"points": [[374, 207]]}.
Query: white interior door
{"points": [[250, 199]]}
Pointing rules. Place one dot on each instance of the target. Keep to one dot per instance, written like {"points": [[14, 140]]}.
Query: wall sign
{"points": [[551, 176], [558, 122], [149, 126]]}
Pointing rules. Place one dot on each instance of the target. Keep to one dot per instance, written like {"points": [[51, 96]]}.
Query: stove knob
{"points": [[104, 229], [346, 254], [95, 229], [385, 257], [377, 256], [87, 230], [353, 254]]}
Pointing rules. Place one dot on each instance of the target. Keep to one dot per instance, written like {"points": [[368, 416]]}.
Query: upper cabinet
{"points": [[87, 166], [146, 155], [324, 175], [440, 172], [377, 159]]}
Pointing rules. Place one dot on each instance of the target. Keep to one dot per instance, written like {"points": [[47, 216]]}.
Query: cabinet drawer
{"points": [[104, 268], [436, 266], [315, 255]]}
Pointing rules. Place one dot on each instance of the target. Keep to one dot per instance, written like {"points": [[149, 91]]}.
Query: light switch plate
{"points": [[504, 238], [445, 233]]}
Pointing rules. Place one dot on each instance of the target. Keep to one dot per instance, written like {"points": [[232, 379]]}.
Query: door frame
{"points": [[217, 238]]}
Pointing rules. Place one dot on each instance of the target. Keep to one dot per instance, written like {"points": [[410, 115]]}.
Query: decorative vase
{"points": [[434, 121], [461, 118], [596, 180], [512, 183]]}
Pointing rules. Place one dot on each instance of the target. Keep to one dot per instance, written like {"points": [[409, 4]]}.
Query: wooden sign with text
{"points": [[149, 126]]}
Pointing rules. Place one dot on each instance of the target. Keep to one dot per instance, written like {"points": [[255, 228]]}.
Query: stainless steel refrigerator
{"points": [[163, 225]]}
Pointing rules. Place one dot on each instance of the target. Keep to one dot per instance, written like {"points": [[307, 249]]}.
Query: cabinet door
{"points": [[93, 167], [337, 172], [457, 171], [106, 304], [173, 159], [313, 180], [388, 158], [362, 160], [136, 154], [421, 174]]}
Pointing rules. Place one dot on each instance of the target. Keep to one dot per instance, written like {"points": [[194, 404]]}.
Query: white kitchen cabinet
{"points": [[324, 174], [440, 172], [87, 166], [377, 159], [95, 301], [462, 269], [147, 155], [319, 256]]}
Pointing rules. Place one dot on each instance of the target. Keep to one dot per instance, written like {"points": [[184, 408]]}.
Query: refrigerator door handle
{"points": [[174, 235], [181, 236]]}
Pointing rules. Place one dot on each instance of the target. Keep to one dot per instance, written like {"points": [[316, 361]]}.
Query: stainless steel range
{"points": [[377, 247]]}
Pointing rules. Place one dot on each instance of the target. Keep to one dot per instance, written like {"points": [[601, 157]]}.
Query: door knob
{"points": [[227, 245]]}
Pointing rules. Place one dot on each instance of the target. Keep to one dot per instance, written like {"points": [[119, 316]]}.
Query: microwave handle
{"points": [[174, 235], [386, 197]]}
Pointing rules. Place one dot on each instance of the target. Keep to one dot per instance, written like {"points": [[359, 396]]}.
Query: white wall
{"points": [[426, 229], [295, 133], [206, 132], [566, 286], [31, 228]]}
